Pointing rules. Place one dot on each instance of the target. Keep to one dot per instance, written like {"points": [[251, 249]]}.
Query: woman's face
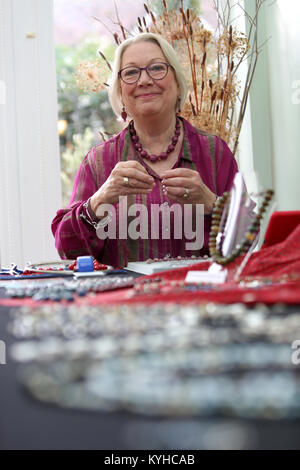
{"points": [[148, 96]]}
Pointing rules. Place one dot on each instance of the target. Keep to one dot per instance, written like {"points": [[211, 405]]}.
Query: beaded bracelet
{"points": [[250, 235]]}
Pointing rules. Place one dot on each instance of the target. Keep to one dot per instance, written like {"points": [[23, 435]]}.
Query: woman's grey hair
{"points": [[169, 53]]}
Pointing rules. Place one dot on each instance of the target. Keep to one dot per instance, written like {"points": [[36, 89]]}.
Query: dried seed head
{"points": [[193, 109], [123, 31], [106, 61], [102, 136], [116, 38], [152, 17], [183, 15]]}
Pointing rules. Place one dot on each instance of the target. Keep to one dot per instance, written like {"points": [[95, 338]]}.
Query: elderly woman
{"points": [[159, 160]]}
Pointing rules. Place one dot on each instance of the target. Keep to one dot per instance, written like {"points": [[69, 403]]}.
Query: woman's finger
{"points": [[131, 164], [135, 175], [129, 191], [179, 172], [135, 183], [178, 182]]}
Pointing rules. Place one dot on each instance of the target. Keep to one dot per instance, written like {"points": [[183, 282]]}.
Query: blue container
{"points": [[85, 264]]}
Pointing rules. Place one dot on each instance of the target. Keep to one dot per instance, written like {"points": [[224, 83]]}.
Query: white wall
{"points": [[30, 191], [275, 104], [282, 23]]}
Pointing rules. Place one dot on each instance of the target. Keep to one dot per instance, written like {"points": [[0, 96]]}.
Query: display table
{"points": [[190, 331]]}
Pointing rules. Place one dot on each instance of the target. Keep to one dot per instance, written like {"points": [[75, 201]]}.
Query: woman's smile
{"points": [[147, 95]]}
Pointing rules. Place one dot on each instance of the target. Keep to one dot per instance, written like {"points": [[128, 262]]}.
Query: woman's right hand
{"points": [[139, 182]]}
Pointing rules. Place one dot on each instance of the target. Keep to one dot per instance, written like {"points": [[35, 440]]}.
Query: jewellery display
{"points": [[165, 264], [65, 289], [177, 326], [192, 258], [60, 267], [64, 267], [253, 395], [249, 237], [201, 360], [154, 286], [154, 158], [12, 271]]}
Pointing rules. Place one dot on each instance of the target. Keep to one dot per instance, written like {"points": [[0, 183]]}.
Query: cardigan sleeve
{"points": [[73, 236]]}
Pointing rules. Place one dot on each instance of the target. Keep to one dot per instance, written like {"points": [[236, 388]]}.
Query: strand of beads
{"points": [[249, 237]]}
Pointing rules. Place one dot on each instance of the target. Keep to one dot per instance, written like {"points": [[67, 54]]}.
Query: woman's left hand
{"points": [[186, 187]]}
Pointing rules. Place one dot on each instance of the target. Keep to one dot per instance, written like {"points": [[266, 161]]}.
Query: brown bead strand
{"points": [[249, 237]]}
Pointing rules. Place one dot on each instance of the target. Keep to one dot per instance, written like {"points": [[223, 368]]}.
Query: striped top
{"points": [[205, 153]]}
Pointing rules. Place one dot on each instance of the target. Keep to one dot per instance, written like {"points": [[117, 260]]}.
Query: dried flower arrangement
{"points": [[210, 60]]}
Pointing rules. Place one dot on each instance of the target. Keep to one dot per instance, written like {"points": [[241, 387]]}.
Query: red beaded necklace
{"points": [[154, 158]]}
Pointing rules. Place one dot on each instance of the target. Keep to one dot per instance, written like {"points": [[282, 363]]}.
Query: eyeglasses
{"points": [[156, 71]]}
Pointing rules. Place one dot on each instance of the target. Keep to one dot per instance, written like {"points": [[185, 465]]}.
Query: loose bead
{"points": [[250, 236]]}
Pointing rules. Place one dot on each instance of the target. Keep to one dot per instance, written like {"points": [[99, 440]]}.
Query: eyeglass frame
{"points": [[141, 69]]}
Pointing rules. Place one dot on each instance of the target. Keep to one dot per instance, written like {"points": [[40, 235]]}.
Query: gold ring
{"points": [[187, 193], [126, 181]]}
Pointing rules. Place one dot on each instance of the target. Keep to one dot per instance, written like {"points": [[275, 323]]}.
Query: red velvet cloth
{"points": [[277, 260], [280, 225]]}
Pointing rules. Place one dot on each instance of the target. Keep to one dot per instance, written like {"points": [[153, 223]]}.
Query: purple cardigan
{"points": [[205, 153]]}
